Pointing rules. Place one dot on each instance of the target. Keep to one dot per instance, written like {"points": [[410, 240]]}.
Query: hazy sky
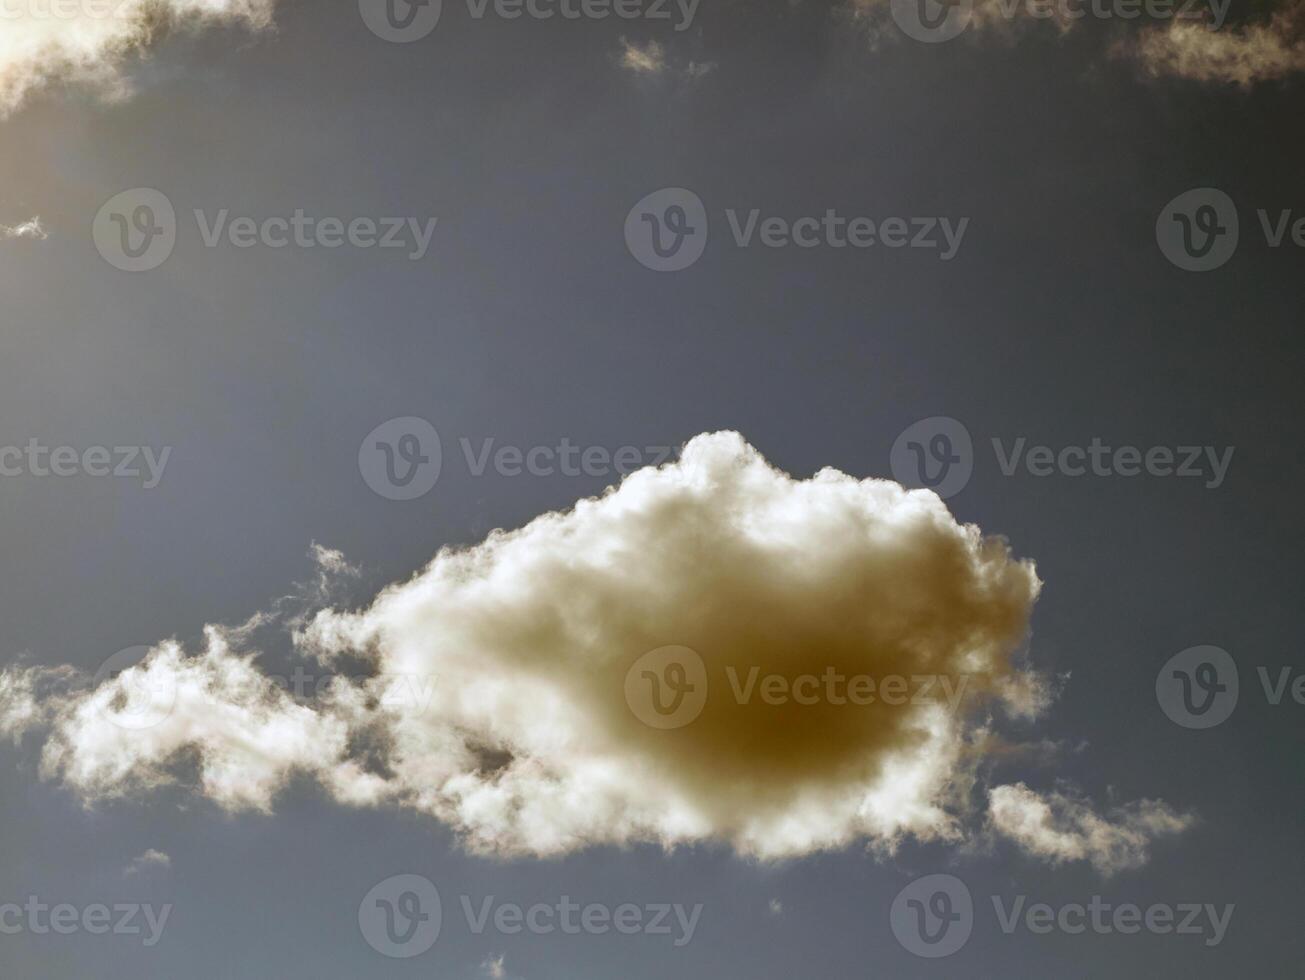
{"points": [[296, 296]]}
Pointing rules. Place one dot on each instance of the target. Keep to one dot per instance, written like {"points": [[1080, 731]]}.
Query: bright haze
{"points": [[667, 626]]}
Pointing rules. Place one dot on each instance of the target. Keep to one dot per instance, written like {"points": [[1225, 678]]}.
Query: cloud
{"points": [[1198, 44], [19, 710], [650, 60], [1060, 828], [533, 632], [124, 736], [647, 60], [532, 733], [776, 907], [30, 698], [493, 967], [148, 861], [1254, 52], [32, 229], [88, 42]]}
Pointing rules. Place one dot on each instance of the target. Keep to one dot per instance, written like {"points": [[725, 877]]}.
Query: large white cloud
{"points": [[505, 685], [88, 41]]}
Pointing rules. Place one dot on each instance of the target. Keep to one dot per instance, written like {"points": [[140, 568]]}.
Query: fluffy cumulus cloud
{"points": [[711, 652], [89, 41], [1062, 828]]}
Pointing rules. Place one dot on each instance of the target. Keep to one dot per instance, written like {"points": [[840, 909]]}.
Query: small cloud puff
{"points": [[149, 861]]}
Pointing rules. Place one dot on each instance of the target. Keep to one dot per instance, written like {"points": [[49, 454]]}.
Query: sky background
{"points": [[1059, 320]]}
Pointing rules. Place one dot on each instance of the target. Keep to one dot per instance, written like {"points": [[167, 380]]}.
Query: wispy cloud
{"points": [[1061, 828], [1195, 42], [648, 59], [31, 230], [1254, 52], [651, 60]]}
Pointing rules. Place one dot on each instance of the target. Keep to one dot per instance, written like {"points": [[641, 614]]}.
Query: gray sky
{"points": [[529, 318]]}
